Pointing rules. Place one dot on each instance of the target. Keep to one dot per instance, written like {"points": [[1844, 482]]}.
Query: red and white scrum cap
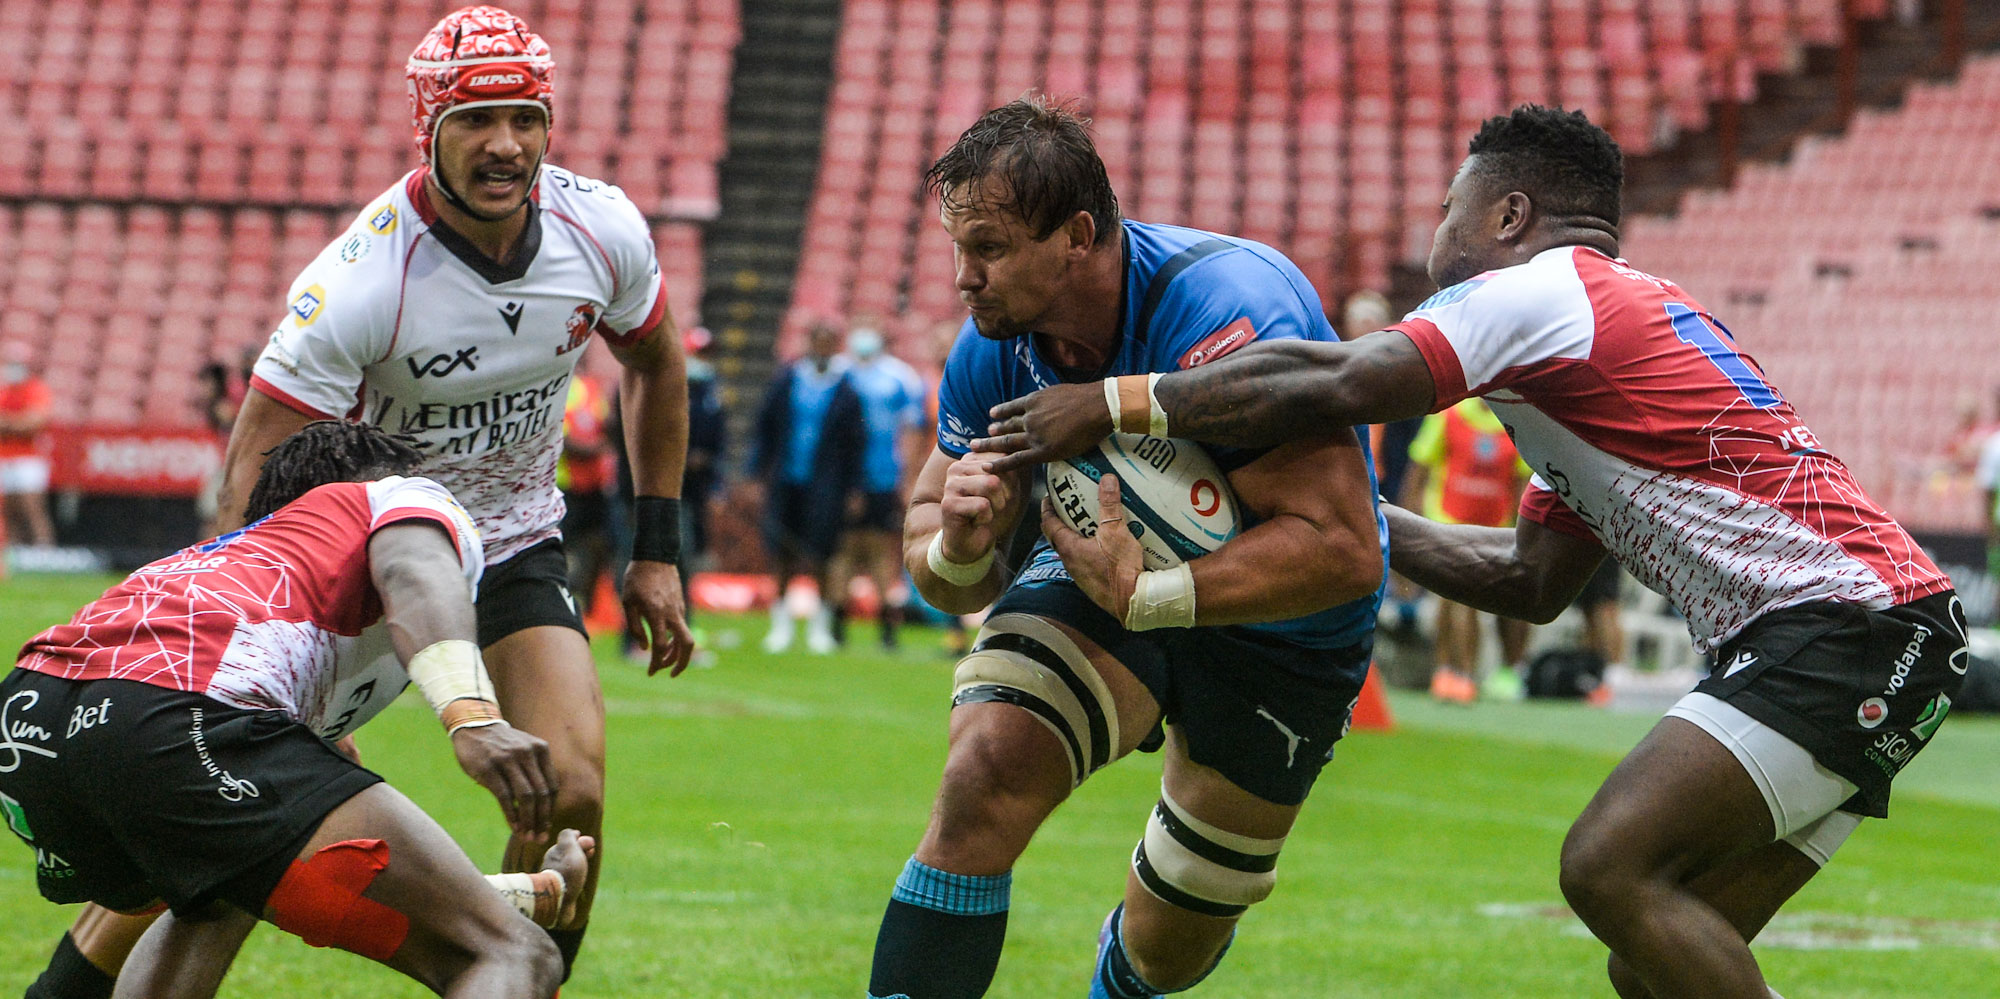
{"points": [[477, 57]]}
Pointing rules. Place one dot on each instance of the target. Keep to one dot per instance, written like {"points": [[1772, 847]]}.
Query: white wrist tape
{"points": [[449, 671], [1134, 401], [956, 573], [1162, 599], [538, 896]]}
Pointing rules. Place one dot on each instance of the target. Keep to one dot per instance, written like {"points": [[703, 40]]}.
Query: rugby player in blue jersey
{"points": [[1241, 666]]}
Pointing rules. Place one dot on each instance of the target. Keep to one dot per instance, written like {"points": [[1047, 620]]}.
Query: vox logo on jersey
{"points": [[443, 364]]}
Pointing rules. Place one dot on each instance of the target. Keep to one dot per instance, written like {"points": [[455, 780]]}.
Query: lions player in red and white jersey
{"points": [[167, 748], [1838, 643], [455, 308]]}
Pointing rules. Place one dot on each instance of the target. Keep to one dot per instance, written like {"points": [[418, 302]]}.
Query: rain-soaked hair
{"points": [[1561, 161], [326, 451], [1042, 152]]}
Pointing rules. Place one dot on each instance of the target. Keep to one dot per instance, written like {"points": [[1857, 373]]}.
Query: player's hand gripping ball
{"points": [[1177, 501]]}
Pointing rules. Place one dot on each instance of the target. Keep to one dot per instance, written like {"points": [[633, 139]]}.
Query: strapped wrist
{"points": [[452, 677], [956, 573], [656, 529], [1134, 401], [1162, 599]]}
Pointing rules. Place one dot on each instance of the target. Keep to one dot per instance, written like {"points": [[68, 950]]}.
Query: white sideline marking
{"points": [[1811, 930]]}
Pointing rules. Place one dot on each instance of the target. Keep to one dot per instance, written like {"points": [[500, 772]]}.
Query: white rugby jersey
{"points": [[1649, 430], [403, 324], [279, 615]]}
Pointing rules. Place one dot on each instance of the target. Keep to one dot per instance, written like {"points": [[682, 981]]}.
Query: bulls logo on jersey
{"points": [[581, 322]]}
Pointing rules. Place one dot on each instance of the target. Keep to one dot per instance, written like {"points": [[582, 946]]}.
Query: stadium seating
{"points": [[1327, 127], [174, 163], [1862, 282]]}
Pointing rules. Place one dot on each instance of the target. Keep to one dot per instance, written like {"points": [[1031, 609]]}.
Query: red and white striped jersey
{"points": [[1650, 431], [276, 615], [401, 323]]}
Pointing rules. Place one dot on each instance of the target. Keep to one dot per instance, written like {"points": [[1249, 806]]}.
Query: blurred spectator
{"points": [[1987, 475], [943, 335], [24, 462], [1603, 616], [1364, 313], [892, 410], [1464, 470], [807, 456], [586, 474], [707, 427]]}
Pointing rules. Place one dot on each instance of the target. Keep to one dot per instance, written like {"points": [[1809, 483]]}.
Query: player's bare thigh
{"points": [[547, 684]]}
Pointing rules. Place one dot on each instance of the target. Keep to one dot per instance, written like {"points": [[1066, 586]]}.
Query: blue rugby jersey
{"points": [[1190, 297]]}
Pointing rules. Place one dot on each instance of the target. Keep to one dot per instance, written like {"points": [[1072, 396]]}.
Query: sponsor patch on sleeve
{"points": [[306, 307], [354, 248], [383, 222], [1219, 343]]}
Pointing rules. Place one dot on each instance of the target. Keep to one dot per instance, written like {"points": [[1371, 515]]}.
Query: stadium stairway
{"points": [[784, 70]]}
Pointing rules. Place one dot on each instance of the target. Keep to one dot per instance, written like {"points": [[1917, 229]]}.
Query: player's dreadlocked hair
{"points": [[328, 451], [1042, 150], [1567, 165]]}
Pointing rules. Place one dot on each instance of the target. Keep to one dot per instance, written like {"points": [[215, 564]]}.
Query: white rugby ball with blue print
{"points": [[1177, 501]]}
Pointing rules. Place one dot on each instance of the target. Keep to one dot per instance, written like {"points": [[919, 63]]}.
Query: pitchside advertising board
{"points": [[132, 461]]}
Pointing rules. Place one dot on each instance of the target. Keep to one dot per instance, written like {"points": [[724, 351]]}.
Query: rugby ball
{"points": [[1177, 502]]}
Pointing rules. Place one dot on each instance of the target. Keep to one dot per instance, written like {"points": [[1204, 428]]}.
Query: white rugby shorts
{"points": [[1803, 796]]}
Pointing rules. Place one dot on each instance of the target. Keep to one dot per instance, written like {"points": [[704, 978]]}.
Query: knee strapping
{"points": [[1188, 863], [1023, 660], [319, 900]]}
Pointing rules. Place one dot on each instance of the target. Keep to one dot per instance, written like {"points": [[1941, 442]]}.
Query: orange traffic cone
{"points": [[606, 613], [1371, 709]]}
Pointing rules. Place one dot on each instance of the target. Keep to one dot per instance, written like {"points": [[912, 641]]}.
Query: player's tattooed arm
{"points": [[1527, 571], [1261, 396], [1284, 390]]}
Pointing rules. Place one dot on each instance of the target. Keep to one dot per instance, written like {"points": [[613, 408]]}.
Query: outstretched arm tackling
{"points": [[1261, 396], [1528, 571], [427, 607]]}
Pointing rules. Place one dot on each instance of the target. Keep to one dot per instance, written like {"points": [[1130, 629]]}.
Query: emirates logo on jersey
{"points": [[581, 322]]}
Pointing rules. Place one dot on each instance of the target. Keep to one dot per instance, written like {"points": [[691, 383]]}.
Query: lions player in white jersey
{"points": [[1655, 440], [454, 309]]}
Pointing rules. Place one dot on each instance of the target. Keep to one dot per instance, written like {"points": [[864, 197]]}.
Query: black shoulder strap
{"points": [[1162, 278]]}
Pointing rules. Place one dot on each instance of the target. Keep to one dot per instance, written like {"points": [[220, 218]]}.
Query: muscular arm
{"points": [[653, 401], [1269, 393], [425, 598], [984, 509], [261, 425], [1316, 547], [1528, 571], [1261, 396]]}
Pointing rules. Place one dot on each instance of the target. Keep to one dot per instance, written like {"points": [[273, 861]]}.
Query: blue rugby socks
{"points": [[1115, 978], [941, 935]]}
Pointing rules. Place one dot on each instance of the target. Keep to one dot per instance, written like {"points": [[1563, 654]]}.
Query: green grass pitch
{"points": [[760, 810]]}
